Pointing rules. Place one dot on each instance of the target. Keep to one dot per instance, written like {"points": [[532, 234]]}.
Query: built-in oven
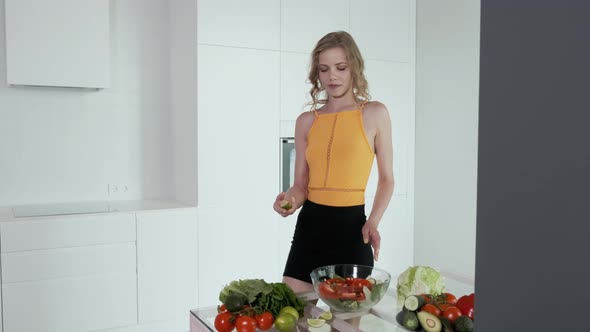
{"points": [[287, 162]]}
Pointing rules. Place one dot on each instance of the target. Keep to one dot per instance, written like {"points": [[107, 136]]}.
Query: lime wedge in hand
{"points": [[285, 204], [315, 322]]}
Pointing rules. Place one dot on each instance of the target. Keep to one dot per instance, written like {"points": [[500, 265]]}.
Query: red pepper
{"points": [[466, 304]]}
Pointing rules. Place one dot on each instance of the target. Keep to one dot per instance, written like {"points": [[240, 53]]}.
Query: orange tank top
{"points": [[339, 158]]}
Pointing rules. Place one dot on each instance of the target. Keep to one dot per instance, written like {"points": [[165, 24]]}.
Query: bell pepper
{"points": [[466, 304]]}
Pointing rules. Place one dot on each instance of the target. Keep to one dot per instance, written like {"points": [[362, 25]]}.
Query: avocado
{"points": [[463, 324], [447, 326], [429, 322]]}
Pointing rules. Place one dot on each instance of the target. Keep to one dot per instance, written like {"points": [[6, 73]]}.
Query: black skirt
{"points": [[326, 235]]}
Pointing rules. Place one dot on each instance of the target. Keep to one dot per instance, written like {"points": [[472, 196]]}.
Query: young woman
{"points": [[336, 143]]}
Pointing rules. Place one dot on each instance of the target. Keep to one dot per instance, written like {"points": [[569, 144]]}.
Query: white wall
{"points": [[69, 144], [447, 81]]}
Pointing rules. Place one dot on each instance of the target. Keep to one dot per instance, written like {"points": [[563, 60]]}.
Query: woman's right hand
{"points": [[282, 200]]}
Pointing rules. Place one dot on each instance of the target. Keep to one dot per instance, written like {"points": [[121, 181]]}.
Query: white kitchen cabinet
{"points": [[394, 19], [238, 166], [304, 22], [72, 273], [388, 82], [166, 264], [236, 23], [236, 243], [238, 127], [63, 43], [132, 270], [294, 90]]}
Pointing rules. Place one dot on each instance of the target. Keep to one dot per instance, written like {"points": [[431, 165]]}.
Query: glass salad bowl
{"points": [[350, 287]]}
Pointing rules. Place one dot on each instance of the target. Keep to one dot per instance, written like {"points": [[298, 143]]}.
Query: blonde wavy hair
{"points": [[360, 86]]}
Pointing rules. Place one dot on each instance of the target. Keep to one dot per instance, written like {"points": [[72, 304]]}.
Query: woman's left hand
{"points": [[371, 235]]}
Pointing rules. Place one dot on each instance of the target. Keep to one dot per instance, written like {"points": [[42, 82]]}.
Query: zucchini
{"points": [[410, 321], [414, 302]]}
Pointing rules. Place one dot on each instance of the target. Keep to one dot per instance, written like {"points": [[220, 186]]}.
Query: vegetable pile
{"points": [[419, 280], [251, 304], [435, 313]]}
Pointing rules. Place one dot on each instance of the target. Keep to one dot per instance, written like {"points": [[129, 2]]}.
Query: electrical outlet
{"points": [[117, 191]]}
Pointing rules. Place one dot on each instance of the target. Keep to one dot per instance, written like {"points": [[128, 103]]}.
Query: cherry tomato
{"points": [[359, 282], [221, 308], [352, 296], [246, 324], [451, 313], [265, 320], [224, 322], [449, 298], [328, 291], [431, 308], [335, 281], [427, 298]]}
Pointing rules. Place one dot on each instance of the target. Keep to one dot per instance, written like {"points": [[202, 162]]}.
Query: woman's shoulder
{"points": [[376, 109], [305, 119]]}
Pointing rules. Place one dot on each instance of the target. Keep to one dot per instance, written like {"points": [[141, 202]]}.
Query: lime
{"points": [[290, 310], [285, 322], [326, 315], [285, 204], [315, 322]]}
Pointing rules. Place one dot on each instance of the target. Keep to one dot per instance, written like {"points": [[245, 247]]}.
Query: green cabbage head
{"points": [[419, 280]]}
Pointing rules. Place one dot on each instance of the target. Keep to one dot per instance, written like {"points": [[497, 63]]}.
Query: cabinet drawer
{"points": [[67, 231], [68, 262], [77, 304]]}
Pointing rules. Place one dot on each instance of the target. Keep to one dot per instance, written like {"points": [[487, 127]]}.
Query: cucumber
{"points": [[463, 324], [414, 302], [410, 321], [399, 318]]}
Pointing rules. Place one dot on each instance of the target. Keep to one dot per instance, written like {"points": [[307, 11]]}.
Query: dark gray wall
{"points": [[534, 163]]}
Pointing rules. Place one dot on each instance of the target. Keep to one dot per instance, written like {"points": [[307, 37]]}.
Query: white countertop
{"points": [[34, 211]]}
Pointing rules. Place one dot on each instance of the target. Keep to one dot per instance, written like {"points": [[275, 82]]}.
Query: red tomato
{"points": [[327, 290], [335, 281], [451, 313], [431, 308], [354, 296], [265, 320], [221, 308], [224, 322], [358, 282], [427, 298], [443, 306], [246, 324], [449, 298]]}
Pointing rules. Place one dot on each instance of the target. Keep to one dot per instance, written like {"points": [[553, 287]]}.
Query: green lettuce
{"points": [[419, 280]]}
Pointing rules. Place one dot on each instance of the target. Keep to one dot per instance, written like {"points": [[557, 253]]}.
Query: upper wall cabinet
{"points": [[62, 43], [250, 24], [304, 22], [391, 18]]}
